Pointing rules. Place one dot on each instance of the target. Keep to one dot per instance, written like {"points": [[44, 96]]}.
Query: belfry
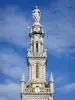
{"points": [[37, 88]]}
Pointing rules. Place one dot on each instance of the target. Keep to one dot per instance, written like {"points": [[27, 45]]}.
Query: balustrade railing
{"points": [[32, 90]]}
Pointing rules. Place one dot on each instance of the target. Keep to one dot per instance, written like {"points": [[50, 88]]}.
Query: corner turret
{"points": [[51, 83], [23, 83]]}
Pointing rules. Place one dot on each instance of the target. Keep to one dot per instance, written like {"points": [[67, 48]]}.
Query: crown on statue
{"points": [[36, 7]]}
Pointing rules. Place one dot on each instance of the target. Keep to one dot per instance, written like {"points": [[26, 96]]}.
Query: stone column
{"points": [[23, 98], [42, 47], [34, 48], [50, 98], [39, 47], [29, 73]]}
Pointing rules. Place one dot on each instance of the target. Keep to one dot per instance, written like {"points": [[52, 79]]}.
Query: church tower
{"points": [[37, 88]]}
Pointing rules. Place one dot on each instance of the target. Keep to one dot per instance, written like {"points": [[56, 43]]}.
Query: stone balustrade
{"points": [[32, 90]]}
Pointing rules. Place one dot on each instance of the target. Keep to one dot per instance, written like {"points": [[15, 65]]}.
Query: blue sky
{"points": [[58, 20]]}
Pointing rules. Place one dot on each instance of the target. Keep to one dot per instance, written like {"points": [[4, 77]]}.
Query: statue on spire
{"points": [[36, 14]]}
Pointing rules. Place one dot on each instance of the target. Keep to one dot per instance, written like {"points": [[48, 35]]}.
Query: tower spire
{"points": [[37, 88]]}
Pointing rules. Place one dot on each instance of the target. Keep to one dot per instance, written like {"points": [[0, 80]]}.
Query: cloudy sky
{"points": [[58, 21]]}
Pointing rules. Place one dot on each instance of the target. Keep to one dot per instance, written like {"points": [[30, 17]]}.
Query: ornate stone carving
{"points": [[36, 14]]}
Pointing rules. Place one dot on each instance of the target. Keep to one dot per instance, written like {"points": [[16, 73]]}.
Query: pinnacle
{"points": [[22, 79], [51, 78]]}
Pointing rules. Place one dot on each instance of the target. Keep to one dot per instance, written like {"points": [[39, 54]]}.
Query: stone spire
{"points": [[23, 78], [23, 83], [51, 85], [51, 78]]}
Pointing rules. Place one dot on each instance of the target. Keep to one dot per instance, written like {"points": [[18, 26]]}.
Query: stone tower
{"points": [[37, 88]]}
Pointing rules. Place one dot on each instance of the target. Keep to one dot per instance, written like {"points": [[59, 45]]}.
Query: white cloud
{"points": [[13, 65], [3, 98], [60, 36], [9, 87], [59, 22], [59, 27], [10, 91], [67, 88], [14, 26]]}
